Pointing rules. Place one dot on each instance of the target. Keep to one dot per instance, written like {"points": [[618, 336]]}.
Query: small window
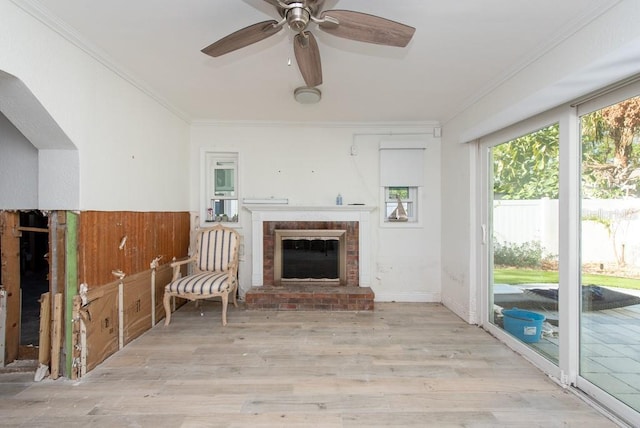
{"points": [[401, 204], [402, 173], [221, 194]]}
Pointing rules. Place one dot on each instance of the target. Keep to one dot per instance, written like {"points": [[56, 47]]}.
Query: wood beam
{"points": [[10, 256]]}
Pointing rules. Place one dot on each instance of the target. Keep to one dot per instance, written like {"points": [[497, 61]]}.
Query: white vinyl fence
{"points": [[610, 227]]}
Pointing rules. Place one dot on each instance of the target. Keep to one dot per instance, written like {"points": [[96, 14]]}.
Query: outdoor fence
{"points": [[610, 227]]}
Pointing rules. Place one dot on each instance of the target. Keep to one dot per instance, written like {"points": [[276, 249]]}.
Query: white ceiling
{"points": [[461, 50]]}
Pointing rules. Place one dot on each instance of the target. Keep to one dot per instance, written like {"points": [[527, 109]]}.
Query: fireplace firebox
{"points": [[310, 256]]}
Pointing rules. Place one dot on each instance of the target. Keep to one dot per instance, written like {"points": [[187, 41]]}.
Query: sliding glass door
{"points": [[560, 259], [610, 249], [523, 293]]}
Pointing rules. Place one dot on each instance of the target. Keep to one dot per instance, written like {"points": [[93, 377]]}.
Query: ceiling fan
{"points": [[298, 14]]}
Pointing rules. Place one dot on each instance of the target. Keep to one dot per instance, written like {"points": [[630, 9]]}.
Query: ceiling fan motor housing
{"points": [[298, 18]]}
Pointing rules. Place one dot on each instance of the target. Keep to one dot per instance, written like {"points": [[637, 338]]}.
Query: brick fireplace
{"points": [[270, 245], [351, 293]]}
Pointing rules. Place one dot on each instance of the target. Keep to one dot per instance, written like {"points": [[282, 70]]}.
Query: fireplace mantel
{"points": [[264, 212]]}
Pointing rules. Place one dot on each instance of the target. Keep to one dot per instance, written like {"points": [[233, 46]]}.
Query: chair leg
{"points": [[166, 301], [234, 294], [225, 301]]}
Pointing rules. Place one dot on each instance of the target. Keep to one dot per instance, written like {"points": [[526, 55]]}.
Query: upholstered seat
{"points": [[214, 270]]}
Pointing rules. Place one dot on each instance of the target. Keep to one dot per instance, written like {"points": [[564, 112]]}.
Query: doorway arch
{"points": [[39, 170]]}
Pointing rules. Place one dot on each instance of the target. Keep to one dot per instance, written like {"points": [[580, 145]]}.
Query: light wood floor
{"points": [[402, 365]]}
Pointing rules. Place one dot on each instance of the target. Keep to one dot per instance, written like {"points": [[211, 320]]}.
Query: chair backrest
{"points": [[217, 248]]}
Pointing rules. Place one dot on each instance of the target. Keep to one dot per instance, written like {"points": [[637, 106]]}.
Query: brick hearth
{"points": [[355, 295], [307, 297]]}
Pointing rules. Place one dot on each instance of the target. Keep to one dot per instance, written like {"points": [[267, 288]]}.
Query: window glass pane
{"points": [[398, 192], [224, 182], [610, 250], [391, 206], [400, 204], [221, 203], [224, 209], [523, 286]]}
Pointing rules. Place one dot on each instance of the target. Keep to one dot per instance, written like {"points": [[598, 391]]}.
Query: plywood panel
{"points": [[44, 344], [56, 335], [101, 320], [137, 305]]}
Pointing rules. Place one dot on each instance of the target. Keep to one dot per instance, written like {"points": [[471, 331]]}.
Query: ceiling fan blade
{"points": [[307, 53], [241, 38], [366, 28]]}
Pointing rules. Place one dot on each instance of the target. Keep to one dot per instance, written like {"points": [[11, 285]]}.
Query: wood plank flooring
{"points": [[401, 365]]}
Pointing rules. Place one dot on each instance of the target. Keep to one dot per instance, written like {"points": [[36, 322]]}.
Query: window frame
{"points": [[229, 196], [410, 203]]}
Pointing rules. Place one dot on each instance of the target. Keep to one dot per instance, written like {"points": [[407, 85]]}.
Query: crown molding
{"points": [[419, 125], [46, 17]]}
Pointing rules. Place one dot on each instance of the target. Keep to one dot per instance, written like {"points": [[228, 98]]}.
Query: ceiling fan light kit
{"points": [[297, 15], [307, 95]]}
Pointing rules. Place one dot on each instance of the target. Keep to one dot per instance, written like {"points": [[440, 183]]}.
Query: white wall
{"points": [[133, 152], [18, 168], [602, 52], [310, 165]]}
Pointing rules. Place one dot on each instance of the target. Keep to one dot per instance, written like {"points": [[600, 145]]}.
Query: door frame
{"points": [[10, 265]]}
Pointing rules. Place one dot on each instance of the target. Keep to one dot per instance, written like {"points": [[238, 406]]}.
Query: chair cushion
{"points": [[203, 283], [216, 249]]}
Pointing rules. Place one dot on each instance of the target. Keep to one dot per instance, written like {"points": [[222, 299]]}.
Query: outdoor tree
{"points": [[527, 167], [610, 150], [611, 164]]}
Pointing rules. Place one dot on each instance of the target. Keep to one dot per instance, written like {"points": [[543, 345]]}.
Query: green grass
{"points": [[529, 276]]}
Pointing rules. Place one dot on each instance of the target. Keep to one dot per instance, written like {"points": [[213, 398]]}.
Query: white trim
{"points": [[615, 96], [569, 245], [377, 128], [606, 403], [618, 65], [397, 144], [411, 297]]}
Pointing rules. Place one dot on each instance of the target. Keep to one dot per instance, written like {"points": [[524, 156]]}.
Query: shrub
{"points": [[525, 255]]}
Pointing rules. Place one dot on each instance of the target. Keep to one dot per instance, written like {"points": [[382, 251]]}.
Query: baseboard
{"points": [[416, 297]]}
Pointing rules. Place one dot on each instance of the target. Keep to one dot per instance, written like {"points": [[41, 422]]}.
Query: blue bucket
{"points": [[525, 325]]}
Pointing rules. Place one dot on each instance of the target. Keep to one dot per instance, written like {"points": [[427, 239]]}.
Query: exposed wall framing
{"points": [[88, 248], [137, 248]]}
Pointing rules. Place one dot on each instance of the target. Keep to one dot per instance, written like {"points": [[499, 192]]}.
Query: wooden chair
{"points": [[214, 274]]}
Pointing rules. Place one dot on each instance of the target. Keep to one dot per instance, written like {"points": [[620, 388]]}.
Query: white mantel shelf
{"points": [[284, 207], [283, 212]]}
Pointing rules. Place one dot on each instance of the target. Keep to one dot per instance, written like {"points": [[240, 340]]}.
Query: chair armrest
{"points": [[177, 264]]}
